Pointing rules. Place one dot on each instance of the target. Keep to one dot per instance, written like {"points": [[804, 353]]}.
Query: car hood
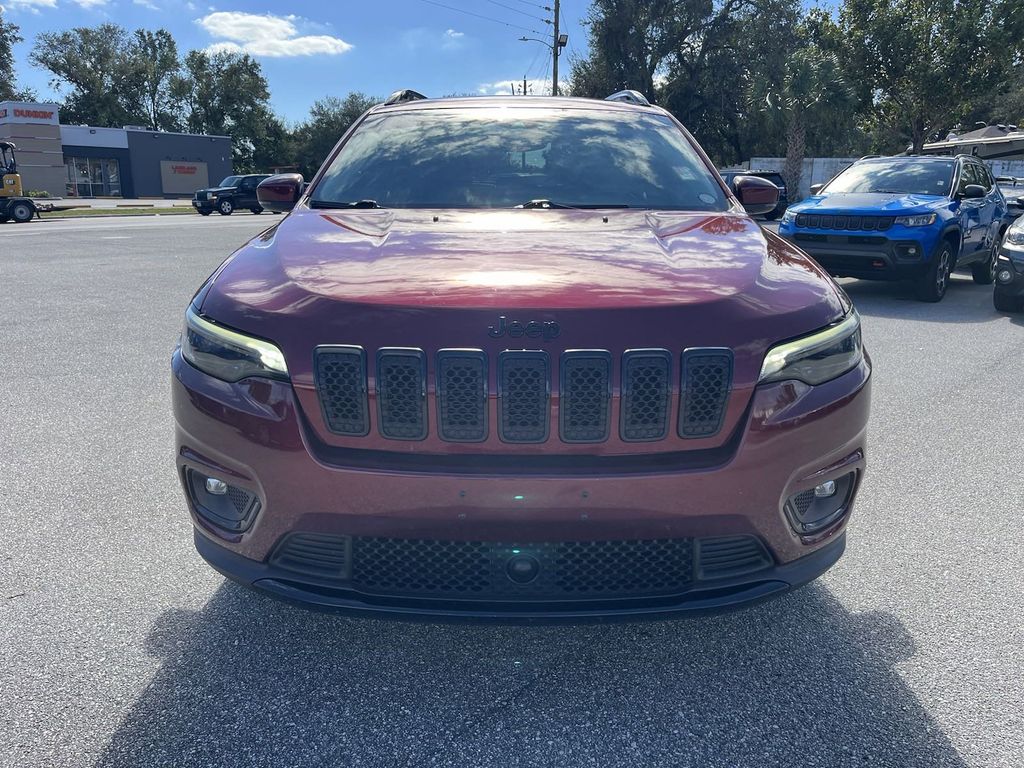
{"points": [[218, 190], [522, 259], [868, 203]]}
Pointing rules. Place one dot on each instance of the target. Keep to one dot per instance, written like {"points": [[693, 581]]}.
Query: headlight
{"points": [[1015, 236], [816, 358], [789, 216], [921, 220], [227, 354]]}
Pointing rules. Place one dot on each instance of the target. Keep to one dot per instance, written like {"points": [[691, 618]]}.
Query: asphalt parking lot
{"points": [[119, 647]]}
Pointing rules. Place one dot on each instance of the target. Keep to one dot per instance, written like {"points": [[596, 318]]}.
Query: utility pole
{"points": [[555, 50]]}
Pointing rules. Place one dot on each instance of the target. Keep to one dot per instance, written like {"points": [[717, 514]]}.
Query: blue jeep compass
{"points": [[903, 218]]}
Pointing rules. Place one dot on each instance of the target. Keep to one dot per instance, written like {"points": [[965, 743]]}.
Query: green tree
{"points": [[923, 65], [9, 37], [157, 65], [97, 69], [812, 92], [226, 93], [328, 120], [696, 58]]}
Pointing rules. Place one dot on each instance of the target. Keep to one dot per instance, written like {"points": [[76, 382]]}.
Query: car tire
{"points": [[225, 207], [257, 210], [21, 212], [771, 216], [932, 287], [984, 272], [1004, 303], [205, 213]]}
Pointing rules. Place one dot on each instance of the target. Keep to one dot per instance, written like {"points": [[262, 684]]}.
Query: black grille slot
{"points": [[340, 374], [474, 569], [402, 393], [726, 556], [586, 379], [704, 391], [462, 395], [312, 554], [646, 393], [524, 386]]}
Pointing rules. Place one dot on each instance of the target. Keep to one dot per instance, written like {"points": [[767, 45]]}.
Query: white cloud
{"points": [[147, 4], [266, 35], [30, 5], [540, 87], [453, 34], [91, 3]]}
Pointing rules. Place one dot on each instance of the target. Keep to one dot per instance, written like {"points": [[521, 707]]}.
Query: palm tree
{"points": [[813, 92]]}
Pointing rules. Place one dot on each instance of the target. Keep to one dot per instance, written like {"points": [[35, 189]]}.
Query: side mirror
{"points": [[755, 194], [973, 192], [280, 193], [816, 188]]}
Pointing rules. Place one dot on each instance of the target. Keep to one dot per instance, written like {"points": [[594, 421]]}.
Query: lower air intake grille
{"points": [[706, 381], [727, 556], [462, 395], [402, 393], [524, 385], [313, 554], [586, 379], [341, 380], [646, 394], [432, 568]]}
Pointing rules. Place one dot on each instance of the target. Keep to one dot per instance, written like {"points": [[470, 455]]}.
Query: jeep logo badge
{"points": [[532, 330]]}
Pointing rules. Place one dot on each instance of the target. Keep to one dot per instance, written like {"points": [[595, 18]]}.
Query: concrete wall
{"points": [[40, 159], [147, 149]]}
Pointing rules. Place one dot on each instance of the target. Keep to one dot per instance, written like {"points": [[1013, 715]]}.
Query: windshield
{"points": [[231, 181], [926, 177], [505, 157]]}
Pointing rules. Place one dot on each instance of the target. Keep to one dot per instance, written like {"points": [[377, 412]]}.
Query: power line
{"points": [[480, 16], [516, 10]]}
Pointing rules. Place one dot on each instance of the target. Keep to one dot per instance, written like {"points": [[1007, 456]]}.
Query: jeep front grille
{"points": [[459, 405], [849, 223]]}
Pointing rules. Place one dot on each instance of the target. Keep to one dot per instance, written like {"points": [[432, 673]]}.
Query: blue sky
{"points": [[314, 49]]}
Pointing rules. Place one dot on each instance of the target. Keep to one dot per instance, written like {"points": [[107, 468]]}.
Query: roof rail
{"points": [[629, 97], [403, 95], [870, 157]]}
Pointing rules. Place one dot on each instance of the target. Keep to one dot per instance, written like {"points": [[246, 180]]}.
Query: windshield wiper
{"points": [[353, 204], [543, 202]]}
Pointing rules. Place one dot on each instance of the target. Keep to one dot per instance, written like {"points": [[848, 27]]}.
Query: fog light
{"points": [[823, 491], [1005, 276], [230, 507], [820, 507]]}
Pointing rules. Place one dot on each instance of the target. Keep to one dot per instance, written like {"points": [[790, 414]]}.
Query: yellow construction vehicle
{"points": [[13, 203]]}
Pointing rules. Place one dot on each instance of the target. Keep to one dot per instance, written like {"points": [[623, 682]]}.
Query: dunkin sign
{"points": [[28, 112]]}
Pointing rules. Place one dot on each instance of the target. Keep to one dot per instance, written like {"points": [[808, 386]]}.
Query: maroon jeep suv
{"points": [[520, 358]]}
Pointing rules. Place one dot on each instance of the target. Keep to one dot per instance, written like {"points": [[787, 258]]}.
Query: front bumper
{"points": [[900, 253], [252, 435], [204, 205]]}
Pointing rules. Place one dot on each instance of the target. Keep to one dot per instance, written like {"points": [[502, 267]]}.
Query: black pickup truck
{"points": [[233, 193]]}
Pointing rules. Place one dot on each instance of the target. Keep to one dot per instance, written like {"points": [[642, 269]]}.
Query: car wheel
{"points": [[933, 285], [21, 213], [771, 216], [984, 272], [205, 213], [1005, 303], [225, 207], [257, 210]]}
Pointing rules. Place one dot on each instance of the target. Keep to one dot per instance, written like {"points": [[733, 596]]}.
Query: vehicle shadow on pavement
{"points": [[965, 301], [249, 681]]}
